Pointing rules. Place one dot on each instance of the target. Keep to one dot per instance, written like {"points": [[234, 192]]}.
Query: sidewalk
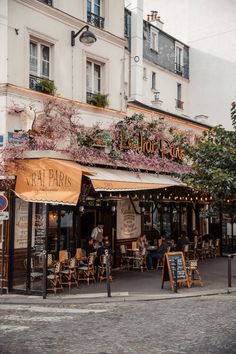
{"points": [[137, 286]]}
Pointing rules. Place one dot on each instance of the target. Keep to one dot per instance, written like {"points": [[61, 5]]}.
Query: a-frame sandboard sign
{"points": [[169, 269]]}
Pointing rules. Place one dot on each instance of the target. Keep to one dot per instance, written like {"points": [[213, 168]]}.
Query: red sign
{"points": [[3, 202]]}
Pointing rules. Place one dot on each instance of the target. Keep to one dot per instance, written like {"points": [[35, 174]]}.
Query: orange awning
{"points": [[118, 180], [49, 180]]}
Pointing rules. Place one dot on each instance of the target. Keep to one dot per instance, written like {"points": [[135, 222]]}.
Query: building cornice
{"points": [[136, 105], [36, 96], [69, 20]]}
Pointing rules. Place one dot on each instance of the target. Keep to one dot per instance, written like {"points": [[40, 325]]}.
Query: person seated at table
{"points": [[90, 246], [161, 250], [182, 241], [142, 243]]}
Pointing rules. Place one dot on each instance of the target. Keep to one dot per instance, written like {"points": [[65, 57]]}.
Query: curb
{"points": [[102, 298]]}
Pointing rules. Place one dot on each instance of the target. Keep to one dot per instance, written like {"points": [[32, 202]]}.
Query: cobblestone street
{"points": [[190, 325]]}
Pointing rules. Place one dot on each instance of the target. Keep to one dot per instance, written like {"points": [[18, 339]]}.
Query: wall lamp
{"points": [[87, 37]]}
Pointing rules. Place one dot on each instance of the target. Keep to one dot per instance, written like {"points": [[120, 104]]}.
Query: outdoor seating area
{"points": [[69, 271]]}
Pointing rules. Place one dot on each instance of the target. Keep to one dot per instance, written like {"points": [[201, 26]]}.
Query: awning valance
{"points": [[49, 180], [118, 180]]}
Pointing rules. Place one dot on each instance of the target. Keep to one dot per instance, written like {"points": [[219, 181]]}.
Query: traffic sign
{"points": [[3, 202]]}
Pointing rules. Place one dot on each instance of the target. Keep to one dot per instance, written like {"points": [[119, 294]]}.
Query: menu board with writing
{"points": [[174, 269], [40, 228], [128, 222], [21, 224]]}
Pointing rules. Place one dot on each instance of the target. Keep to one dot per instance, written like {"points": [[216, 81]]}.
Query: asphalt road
{"points": [[190, 325]]}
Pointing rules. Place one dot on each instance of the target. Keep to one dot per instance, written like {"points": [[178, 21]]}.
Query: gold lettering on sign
{"points": [[159, 147], [50, 179]]}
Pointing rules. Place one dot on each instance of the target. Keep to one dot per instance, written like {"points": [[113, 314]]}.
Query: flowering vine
{"points": [[58, 128]]}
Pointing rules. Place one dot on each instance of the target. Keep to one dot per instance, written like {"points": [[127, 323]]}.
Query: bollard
{"points": [[176, 277], [108, 274]]}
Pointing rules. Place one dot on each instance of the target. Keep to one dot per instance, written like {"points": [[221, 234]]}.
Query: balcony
{"points": [[95, 20], [41, 84], [179, 104]]}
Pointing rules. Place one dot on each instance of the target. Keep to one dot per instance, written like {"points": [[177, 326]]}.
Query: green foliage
{"points": [[47, 86], [99, 100], [233, 114], [214, 163]]}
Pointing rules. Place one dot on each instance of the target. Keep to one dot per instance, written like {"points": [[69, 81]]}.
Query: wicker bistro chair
{"points": [[80, 254], [55, 278], [126, 260], [34, 275], [102, 275], [193, 272], [69, 274], [64, 256], [139, 261], [87, 271]]}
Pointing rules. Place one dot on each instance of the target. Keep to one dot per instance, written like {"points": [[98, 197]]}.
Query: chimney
{"points": [[155, 20]]}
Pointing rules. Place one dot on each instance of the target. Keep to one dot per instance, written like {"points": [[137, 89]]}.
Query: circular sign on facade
{"points": [[3, 202]]}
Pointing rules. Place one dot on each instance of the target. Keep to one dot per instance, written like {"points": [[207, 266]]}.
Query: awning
{"points": [[49, 180], [112, 180]]}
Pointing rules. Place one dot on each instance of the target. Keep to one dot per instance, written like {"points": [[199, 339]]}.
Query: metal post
{"points": [[44, 280], [3, 259], [176, 276], [229, 270], [108, 274]]}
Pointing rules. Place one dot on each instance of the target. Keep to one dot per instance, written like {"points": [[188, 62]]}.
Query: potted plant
{"points": [[100, 100], [47, 86]]}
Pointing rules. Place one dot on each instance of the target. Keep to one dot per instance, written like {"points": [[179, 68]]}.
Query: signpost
{"points": [[3, 216]]}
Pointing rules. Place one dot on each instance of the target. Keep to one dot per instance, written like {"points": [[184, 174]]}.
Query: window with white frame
{"points": [[39, 59], [93, 78], [94, 13], [154, 78], [179, 58], [154, 39], [179, 102], [39, 63]]}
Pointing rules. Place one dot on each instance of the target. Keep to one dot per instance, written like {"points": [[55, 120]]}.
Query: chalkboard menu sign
{"points": [[40, 227], [172, 271]]}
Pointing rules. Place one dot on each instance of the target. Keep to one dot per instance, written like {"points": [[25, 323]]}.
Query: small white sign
{"points": [[4, 215]]}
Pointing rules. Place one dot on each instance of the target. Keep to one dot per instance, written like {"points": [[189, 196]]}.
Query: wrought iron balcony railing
{"points": [[89, 97], [179, 104], [47, 2], [180, 70], [95, 20], [41, 84]]}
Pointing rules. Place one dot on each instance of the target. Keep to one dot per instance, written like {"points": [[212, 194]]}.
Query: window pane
{"points": [[44, 61], [97, 78], [89, 6], [45, 52], [97, 7], [33, 58], [45, 69], [89, 76]]}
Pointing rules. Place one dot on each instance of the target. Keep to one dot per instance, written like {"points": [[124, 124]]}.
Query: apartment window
{"points": [[94, 12], [39, 65], [179, 102], [93, 79], [179, 59], [153, 80], [154, 39], [39, 59]]}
